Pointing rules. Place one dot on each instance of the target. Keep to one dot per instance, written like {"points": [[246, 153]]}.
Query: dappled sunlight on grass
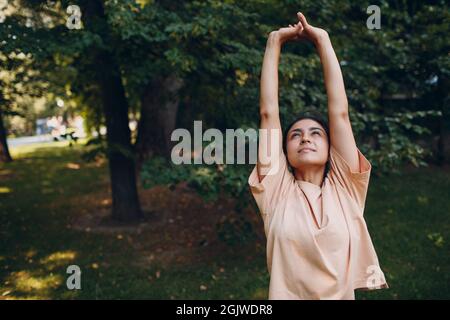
{"points": [[30, 254], [7, 295], [20, 151], [43, 279], [58, 259], [26, 282], [5, 172], [73, 166], [5, 190], [35, 285]]}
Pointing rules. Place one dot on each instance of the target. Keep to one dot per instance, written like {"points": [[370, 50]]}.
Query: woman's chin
{"points": [[308, 158], [308, 162]]}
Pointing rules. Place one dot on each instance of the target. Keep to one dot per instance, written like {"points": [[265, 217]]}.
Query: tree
{"points": [[158, 114], [91, 52], [5, 156], [19, 83], [106, 72]]}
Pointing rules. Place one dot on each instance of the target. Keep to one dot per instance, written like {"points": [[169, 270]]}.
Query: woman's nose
{"points": [[305, 139]]}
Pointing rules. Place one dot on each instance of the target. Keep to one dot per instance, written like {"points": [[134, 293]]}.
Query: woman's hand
{"points": [[299, 31], [308, 32]]}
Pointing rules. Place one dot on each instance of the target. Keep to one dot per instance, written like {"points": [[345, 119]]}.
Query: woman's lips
{"points": [[306, 150]]}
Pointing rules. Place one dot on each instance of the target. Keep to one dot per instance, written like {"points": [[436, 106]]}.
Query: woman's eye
{"points": [[316, 132]]}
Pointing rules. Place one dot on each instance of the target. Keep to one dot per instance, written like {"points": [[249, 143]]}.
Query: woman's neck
{"points": [[312, 174]]}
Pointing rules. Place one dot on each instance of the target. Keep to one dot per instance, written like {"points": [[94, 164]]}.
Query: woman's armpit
{"points": [[271, 188]]}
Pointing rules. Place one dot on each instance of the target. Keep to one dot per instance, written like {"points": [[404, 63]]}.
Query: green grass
{"points": [[408, 218], [37, 247]]}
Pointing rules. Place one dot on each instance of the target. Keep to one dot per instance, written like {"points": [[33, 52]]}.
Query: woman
{"points": [[312, 191]]}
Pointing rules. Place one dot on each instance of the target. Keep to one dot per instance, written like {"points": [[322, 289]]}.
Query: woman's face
{"points": [[307, 144]]}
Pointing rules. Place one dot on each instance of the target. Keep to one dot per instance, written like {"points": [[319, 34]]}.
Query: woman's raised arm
{"points": [[268, 105], [270, 143], [341, 134]]}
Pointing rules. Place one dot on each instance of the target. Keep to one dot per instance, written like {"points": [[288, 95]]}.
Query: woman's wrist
{"points": [[274, 39], [321, 38]]}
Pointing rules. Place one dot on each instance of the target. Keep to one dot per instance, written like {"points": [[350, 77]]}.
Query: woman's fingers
{"points": [[302, 19], [295, 31]]}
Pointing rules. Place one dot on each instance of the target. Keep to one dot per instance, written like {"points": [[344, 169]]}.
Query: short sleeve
{"points": [[355, 183], [271, 190]]}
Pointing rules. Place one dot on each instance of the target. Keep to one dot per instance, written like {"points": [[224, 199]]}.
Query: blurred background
{"points": [[91, 90]]}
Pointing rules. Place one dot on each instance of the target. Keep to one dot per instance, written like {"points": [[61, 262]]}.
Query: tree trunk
{"points": [[125, 201], [442, 156], [159, 107], [5, 156]]}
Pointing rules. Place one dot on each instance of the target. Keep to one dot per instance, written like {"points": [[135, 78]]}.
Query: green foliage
{"points": [[97, 148], [396, 78], [437, 238], [210, 181], [235, 230]]}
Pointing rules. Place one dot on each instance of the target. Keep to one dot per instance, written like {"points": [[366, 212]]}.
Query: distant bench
{"points": [[67, 136]]}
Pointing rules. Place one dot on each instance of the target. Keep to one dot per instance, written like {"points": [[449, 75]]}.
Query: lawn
{"points": [[49, 198]]}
